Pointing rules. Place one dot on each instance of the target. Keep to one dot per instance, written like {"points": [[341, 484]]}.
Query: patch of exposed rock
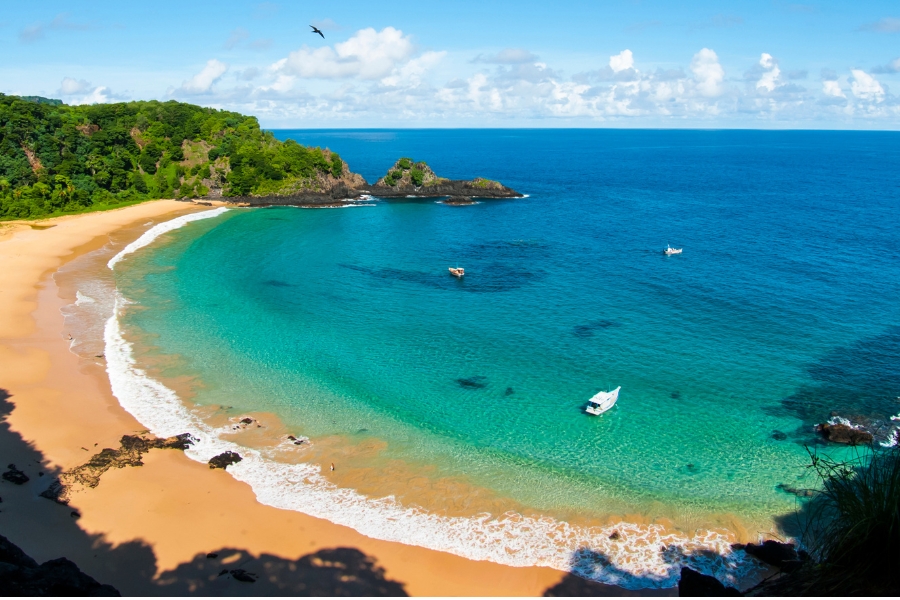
{"points": [[131, 450], [14, 475], [226, 459], [459, 201], [778, 554], [21, 575], [840, 433]]}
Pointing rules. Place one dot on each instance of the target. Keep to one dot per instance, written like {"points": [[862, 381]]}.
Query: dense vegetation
{"points": [[851, 527], [408, 172], [56, 158]]}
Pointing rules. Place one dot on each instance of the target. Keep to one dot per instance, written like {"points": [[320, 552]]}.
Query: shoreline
{"points": [[172, 511]]}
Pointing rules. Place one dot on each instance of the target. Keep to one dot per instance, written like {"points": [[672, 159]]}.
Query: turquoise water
{"points": [[345, 322]]}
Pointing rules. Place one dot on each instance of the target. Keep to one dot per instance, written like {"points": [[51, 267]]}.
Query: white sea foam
{"points": [[639, 556], [154, 232], [82, 299], [354, 205]]}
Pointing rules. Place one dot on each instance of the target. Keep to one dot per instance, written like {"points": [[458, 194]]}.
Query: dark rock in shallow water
{"points": [[459, 201], [20, 575], [15, 476], [799, 492], [778, 554], [509, 392], [779, 435], [246, 420], [224, 460], [473, 383], [844, 434], [696, 584]]}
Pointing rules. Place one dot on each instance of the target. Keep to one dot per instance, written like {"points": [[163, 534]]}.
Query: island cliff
{"points": [[405, 179]]}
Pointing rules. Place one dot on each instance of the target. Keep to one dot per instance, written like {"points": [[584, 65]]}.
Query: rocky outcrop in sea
{"points": [[406, 179]]}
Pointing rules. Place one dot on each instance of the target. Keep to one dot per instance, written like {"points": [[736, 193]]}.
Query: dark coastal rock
{"points": [[476, 188], [129, 454], [459, 201], [20, 575], [779, 435], [844, 434], [224, 460], [696, 584], [509, 392], [14, 475], [778, 554], [246, 420]]}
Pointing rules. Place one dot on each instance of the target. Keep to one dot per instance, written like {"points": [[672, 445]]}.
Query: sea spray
{"points": [[629, 555]]}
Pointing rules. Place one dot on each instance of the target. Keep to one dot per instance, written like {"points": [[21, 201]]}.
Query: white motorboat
{"points": [[670, 250], [603, 401]]}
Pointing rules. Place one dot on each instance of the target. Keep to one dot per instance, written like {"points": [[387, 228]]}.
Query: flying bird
{"points": [[316, 30]]}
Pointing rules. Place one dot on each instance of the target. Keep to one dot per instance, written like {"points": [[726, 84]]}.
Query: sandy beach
{"points": [[148, 530]]}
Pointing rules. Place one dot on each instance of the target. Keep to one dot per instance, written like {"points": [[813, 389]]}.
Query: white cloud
{"points": [[769, 78], [71, 86], [621, 61], [833, 89], [866, 87], [202, 82], [367, 55], [100, 95], [708, 73]]}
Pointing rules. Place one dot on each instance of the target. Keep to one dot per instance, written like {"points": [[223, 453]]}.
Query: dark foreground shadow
{"points": [[332, 572], [46, 530], [587, 561]]}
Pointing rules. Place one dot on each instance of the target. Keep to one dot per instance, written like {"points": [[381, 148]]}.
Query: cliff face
{"points": [[405, 179], [408, 178]]}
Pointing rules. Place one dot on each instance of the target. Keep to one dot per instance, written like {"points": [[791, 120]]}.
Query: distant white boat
{"points": [[603, 401], [457, 272], [670, 250]]}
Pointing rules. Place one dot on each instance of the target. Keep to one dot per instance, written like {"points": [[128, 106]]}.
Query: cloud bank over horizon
{"points": [[377, 74], [393, 75]]}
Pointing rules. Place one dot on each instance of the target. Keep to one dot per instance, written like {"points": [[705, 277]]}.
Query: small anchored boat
{"points": [[457, 272], [602, 402], [670, 250]]}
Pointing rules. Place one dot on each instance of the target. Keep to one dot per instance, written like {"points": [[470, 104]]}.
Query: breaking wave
{"points": [[154, 232]]}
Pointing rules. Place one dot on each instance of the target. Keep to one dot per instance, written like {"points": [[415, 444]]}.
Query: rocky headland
{"points": [[405, 179]]}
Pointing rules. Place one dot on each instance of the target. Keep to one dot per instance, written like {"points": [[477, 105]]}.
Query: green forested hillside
{"points": [[57, 159]]}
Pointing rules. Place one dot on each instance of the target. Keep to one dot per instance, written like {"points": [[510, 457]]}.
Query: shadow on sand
{"points": [[46, 530]]}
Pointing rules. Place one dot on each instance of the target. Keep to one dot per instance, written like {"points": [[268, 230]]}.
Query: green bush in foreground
{"points": [[57, 159], [851, 528]]}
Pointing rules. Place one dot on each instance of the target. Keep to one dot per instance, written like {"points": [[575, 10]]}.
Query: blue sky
{"points": [[765, 64]]}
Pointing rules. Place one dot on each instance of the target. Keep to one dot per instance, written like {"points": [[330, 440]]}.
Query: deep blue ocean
{"points": [[783, 307]]}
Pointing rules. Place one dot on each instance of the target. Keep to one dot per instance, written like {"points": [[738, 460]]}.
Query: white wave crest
{"points": [[154, 232]]}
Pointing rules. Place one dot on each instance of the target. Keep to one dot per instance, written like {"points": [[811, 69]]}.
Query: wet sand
{"points": [[147, 530]]}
